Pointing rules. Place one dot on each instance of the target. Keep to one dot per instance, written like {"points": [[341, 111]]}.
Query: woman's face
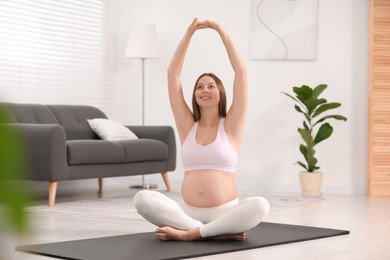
{"points": [[207, 93]]}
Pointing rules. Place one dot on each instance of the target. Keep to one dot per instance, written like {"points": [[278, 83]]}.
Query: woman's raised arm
{"points": [[236, 116], [181, 112]]}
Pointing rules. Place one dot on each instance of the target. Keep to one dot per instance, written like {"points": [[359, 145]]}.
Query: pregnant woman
{"points": [[211, 138]]}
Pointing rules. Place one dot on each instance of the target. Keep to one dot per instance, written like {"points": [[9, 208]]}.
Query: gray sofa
{"points": [[59, 145]]}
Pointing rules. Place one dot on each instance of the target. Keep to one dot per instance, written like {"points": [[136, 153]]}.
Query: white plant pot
{"points": [[311, 183]]}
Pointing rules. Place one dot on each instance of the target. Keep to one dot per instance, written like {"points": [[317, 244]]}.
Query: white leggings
{"points": [[230, 218]]}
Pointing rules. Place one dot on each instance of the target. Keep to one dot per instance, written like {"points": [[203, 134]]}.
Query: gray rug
{"points": [[123, 208]]}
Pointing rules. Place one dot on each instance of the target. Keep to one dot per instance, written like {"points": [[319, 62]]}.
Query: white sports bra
{"points": [[219, 155]]}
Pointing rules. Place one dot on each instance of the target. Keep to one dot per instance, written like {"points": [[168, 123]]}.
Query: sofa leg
{"points": [[52, 193], [166, 180], [100, 181]]}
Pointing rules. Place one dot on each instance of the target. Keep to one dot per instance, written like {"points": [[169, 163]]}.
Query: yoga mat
{"points": [[145, 246]]}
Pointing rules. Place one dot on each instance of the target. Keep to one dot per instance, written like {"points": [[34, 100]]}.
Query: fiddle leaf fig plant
{"points": [[312, 107]]}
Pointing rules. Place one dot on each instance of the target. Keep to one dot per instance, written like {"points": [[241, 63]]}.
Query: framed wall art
{"points": [[283, 30]]}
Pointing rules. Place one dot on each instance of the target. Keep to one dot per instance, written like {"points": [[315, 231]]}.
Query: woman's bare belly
{"points": [[208, 188]]}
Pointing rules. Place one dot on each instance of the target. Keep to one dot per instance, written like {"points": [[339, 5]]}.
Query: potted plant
{"points": [[314, 130]]}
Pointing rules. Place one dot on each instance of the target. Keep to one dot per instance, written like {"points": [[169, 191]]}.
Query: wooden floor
{"points": [[367, 218]]}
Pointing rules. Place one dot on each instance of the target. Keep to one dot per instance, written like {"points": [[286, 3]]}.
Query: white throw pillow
{"points": [[110, 130]]}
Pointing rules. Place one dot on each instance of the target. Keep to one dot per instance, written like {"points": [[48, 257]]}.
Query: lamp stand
{"points": [[143, 185]]}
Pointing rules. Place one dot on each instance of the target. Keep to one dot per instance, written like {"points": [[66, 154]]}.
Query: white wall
{"points": [[271, 141]]}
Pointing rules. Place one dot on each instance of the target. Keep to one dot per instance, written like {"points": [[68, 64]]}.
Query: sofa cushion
{"points": [[144, 150], [29, 113], [94, 152], [110, 130], [74, 120]]}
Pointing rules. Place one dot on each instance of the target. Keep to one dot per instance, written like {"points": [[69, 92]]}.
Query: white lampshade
{"points": [[143, 42]]}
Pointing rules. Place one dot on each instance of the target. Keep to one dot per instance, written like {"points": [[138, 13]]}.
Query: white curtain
{"points": [[54, 52]]}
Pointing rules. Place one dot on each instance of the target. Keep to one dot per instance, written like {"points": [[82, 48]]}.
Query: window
{"points": [[54, 52]]}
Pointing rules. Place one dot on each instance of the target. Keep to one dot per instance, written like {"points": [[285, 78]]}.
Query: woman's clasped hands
{"points": [[206, 24]]}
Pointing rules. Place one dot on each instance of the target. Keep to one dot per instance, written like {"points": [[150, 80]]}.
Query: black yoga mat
{"points": [[145, 246]]}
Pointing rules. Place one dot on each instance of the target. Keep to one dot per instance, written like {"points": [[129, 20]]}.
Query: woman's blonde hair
{"points": [[222, 97]]}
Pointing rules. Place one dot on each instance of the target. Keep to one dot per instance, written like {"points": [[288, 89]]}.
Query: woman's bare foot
{"points": [[238, 236], [168, 233]]}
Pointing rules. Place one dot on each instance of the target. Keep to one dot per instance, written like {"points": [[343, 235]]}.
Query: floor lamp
{"points": [[143, 44]]}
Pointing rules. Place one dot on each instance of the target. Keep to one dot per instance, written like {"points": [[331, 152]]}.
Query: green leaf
{"points": [[318, 90], [312, 103], [323, 133], [303, 93], [297, 108], [312, 161], [13, 197], [326, 107], [313, 168], [303, 150], [306, 136], [292, 97], [337, 117], [303, 165], [305, 126], [307, 116], [308, 154]]}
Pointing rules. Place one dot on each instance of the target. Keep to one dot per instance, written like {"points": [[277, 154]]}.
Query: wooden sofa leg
{"points": [[100, 181], [52, 193], [166, 180]]}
